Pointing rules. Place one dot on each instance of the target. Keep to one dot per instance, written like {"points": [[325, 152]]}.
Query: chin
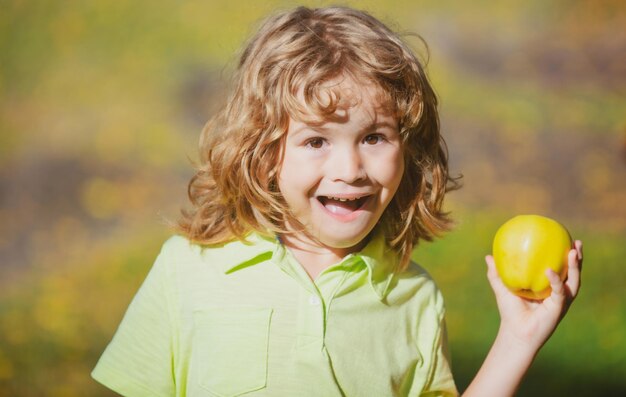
{"points": [[344, 241], [344, 244]]}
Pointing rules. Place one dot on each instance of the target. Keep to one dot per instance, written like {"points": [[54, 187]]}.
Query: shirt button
{"points": [[314, 300]]}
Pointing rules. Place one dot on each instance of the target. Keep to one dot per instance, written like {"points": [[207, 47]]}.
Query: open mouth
{"points": [[342, 206]]}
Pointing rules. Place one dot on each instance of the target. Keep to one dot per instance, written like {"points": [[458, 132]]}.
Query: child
{"points": [[293, 278]]}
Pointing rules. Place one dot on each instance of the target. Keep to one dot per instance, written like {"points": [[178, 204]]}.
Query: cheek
{"points": [[392, 171], [296, 176], [399, 173]]}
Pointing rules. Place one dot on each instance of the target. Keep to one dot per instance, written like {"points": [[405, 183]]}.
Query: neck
{"points": [[315, 258]]}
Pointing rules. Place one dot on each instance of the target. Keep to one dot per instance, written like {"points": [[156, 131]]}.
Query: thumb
{"points": [[493, 277]]}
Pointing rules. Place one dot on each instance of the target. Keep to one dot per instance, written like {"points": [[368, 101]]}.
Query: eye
{"points": [[315, 143], [373, 139]]}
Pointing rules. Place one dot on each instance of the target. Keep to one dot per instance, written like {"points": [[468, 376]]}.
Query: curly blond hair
{"points": [[234, 190]]}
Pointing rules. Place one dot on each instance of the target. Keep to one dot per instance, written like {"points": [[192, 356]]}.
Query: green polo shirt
{"points": [[246, 319]]}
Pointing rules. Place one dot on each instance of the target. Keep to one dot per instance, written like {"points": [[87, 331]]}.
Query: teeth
{"points": [[343, 199]]}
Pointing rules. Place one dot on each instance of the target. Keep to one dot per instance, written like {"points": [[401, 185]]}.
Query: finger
{"points": [[573, 272], [492, 275], [558, 289], [579, 250]]}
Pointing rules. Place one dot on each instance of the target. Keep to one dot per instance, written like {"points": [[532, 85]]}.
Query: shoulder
{"points": [[178, 246], [180, 250], [419, 284], [415, 273]]}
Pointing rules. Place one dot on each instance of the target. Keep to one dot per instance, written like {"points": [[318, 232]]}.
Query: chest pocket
{"points": [[230, 349]]}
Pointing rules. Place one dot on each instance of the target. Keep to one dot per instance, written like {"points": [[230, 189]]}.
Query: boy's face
{"points": [[339, 176]]}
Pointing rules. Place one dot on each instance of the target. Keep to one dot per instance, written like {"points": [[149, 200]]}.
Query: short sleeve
{"points": [[139, 359], [441, 381]]}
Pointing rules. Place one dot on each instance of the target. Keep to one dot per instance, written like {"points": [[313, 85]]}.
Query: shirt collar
{"points": [[379, 259]]}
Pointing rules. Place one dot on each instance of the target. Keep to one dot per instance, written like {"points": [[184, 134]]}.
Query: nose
{"points": [[346, 165]]}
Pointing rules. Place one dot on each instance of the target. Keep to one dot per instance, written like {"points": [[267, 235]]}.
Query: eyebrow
{"points": [[322, 129]]}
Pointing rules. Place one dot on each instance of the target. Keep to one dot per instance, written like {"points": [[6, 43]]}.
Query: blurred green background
{"points": [[102, 102]]}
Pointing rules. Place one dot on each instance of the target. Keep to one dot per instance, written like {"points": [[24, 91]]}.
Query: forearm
{"points": [[525, 326], [504, 367]]}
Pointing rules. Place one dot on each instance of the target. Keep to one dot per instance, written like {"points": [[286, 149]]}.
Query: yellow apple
{"points": [[524, 247]]}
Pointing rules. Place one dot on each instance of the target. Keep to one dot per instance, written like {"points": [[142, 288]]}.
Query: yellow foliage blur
{"points": [[101, 105]]}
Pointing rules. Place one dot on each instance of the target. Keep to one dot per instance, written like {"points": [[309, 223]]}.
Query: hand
{"points": [[530, 323]]}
